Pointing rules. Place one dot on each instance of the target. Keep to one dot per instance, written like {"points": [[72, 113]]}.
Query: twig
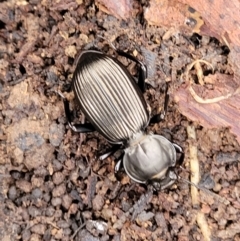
{"points": [[194, 165], [203, 225], [75, 233], [52, 224], [212, 100]]}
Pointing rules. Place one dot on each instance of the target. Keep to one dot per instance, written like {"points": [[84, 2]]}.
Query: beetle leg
{"points": [[159, 117], [81, 128], [142, 72], [119, 164], [119, 168], [179, 150], [143, 69], [110, 152]]}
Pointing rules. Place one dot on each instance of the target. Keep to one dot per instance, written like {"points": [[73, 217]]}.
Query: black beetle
{"points": [[113, 103]]}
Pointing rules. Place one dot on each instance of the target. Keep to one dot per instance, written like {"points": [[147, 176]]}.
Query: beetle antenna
{"points": [[205, 190]]}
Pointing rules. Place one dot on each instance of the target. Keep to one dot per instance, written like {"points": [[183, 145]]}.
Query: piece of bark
{"points": [[225, 113], [212, 19], [222, 20], [173, 13]]}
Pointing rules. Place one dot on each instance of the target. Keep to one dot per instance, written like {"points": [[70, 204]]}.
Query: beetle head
{"points": [[151, 160]]}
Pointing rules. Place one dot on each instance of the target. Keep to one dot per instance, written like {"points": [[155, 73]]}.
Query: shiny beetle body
{"points": [[109, 97], [113, 103]]}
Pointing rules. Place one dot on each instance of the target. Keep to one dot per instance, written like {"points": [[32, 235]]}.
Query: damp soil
{"points": [[53, 186]]}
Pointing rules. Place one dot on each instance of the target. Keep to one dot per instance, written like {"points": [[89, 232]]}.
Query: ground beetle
{"points": [[112, 101]]}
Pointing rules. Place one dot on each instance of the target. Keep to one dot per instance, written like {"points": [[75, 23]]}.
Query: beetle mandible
{"points": [[113, 103]]}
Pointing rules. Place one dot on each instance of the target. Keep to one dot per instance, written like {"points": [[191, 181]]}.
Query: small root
{"points": [[75, 233], [212, 100], [52, 224], [194, 167], [200, 76], [203, 225]]}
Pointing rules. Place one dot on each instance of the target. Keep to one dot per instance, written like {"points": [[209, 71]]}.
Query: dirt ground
{"points": [[52, 185]]}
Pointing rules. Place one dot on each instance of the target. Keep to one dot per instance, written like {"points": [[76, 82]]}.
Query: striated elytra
{"points": [[112, 101]]}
